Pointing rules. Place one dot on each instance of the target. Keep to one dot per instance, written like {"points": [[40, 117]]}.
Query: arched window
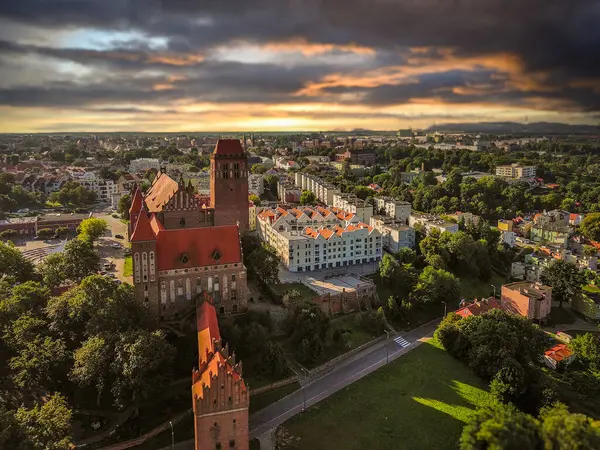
{"points": [[172, 286], [210, 284], [152, 266], [224, 284], [188, 289], [136, 263], [163, 292], [198, 285], [145, 266]]}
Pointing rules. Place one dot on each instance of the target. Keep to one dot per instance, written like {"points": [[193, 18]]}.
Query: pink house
{"points": [[531, 300]]}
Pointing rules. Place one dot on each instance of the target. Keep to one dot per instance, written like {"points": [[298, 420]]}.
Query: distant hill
{"points": [[517, 128]]}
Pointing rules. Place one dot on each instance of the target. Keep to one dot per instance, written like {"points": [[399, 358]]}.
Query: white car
{"points": [[115, 245]]}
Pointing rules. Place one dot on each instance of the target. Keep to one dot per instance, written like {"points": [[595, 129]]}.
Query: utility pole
{"points": [[445, 308], [494, 286], [172, 436], [387, 350]]}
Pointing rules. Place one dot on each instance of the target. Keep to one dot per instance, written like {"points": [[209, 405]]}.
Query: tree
{"points": [[306, 321], [501, 426], [8, 234], [13, 264], [62, 232], [436, 285], [45, 233], [587, 348], [307, 198], [29, 297], [388, 268], [91, 229], [566, 280], [589, 250], [91, 366], [255, 199], [80, 260], [46, 426], [590, 226], [265, 264], [123, 206], [510, 384], [258, 168], [562, 430], [271, 182], [272, 362]]}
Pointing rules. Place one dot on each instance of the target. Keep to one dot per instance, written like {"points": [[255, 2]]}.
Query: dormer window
{"points": [[184, 258], [216, 255]]}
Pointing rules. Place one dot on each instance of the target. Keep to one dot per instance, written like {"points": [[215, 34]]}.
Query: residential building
{"points": [[517, 171], [466, 217], [395, 233], [256, 184], [357, 155], [355, 205], [576, 219], [143, 164], [558, 356], [286, 164], [319, 159], [287, 192], [509, 238], [397, 209], [477, 307], [251, 216], [220, 397], [505, 225], [531, 300], [309, 239], [323, 190], [104, 188], [55, 221], [588, 304], [429, 221]]}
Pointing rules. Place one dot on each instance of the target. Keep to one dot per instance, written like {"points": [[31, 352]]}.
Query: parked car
{"points": [[115, 245], [108, 266], [119, 236]]}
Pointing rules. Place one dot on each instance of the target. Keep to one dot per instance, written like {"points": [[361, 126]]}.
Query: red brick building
{"points": [[531, 300], [183, 244], [219, 395]]}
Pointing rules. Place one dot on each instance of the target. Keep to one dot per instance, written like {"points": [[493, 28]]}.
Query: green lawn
{"points": [[591, 288], [128, 267], [471, 288], [420, 401], [305, 292]]}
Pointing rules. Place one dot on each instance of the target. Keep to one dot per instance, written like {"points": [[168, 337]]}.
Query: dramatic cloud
{"points": [[340, 61]]}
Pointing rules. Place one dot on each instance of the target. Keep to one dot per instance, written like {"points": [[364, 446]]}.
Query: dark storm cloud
{"points": [[556, 37]]}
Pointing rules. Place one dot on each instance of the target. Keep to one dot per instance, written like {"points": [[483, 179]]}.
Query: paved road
{"points": [[348, 372]]}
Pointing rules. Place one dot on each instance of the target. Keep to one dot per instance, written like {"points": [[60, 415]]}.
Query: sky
{"points": [[291, 65]]}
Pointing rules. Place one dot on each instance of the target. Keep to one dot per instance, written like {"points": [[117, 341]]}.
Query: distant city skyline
{"points": [[242, 66]]}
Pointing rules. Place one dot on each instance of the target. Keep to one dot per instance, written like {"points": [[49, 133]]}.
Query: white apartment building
{"points": [[309, 239], [323, 190], [256, 184], [143, 164], [391, 207], [104, 189], [515, 171], [429, 221], [395, 234], [355, 205]]}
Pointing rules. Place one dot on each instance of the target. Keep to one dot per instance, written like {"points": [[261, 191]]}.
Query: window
{"points": [[136, 260], [152, 266], [222, 310], [218, 446], [145, 267], [210, 284], [233, 277], [172, 289], [232, 443], [233, 294], [182, 222]]}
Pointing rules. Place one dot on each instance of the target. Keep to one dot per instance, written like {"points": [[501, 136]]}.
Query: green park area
{"points": [[128, 267], [296, 291], [421, 400], [471, 287]]}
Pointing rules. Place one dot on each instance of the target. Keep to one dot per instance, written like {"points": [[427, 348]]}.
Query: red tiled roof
{"points": [[476, 309], [143, 230], [228, 147], [208, 329], [199, 245], [136, 203], [161, 191], [156, 225], [558, 352]]}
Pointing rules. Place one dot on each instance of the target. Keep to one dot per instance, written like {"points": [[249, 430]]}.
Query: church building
{"points": [[183, 244]]}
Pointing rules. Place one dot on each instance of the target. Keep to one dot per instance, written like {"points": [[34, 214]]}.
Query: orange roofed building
{"points": [[219, 394], [183, 244], [477, 308]]}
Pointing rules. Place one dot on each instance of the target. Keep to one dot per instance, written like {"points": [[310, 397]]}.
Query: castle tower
{"points": [[143, 251], [134, 210], [229, 184], [219, 395]]}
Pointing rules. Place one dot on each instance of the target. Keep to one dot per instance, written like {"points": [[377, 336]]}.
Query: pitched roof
{"points": [[558, 352], [161, 191], [228, 147], [136, 203], [143, 230], [208, 330], [478, 307], [200, 246]]}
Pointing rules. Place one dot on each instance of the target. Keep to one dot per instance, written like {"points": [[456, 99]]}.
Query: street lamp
{"points": [[172, 436], [445, 308], [387, 350], [494, 286]]}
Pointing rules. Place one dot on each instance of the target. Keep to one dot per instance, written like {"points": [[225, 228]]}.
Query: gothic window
{"points": [[225, 166], [232, 277], [198, 285], [236, 166], [180, 288], [152, 266], [172, 289], [222, 310], [145, 266], [136, 260], [163, 292], [188, 289], [233, 295], [184, 258], [210, 284], [216, 255], [231, 443], [224, 284]]}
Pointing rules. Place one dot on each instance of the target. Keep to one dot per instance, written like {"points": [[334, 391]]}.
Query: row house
{"points": [[355, 205], [396, 209], [396, 234], [318, 238], [429, 221], [287, 192], [323, 190]]}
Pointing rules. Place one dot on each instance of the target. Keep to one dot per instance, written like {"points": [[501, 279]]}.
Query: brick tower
{"points": [[144, 255], [219, 395], [229, 184]]}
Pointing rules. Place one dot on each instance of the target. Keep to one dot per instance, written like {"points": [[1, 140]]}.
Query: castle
{"points": [[184, 244], [219, 395]]}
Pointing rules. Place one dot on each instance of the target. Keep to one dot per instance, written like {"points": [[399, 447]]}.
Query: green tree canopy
{"points": [[13, 264], [123, 206], [91, 229], [566, 280], [437, 285], [590, 226], [307, 198], [562, 430]]}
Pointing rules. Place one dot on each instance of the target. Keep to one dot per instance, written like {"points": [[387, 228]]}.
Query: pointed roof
{"points": [[161, 191], [228, 147], [208, 330], [143, 229], [136, 203]]}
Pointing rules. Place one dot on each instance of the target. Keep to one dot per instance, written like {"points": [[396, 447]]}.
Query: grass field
{"points": [[420, 401], [471, 288], [305, 292], [128, 267]]}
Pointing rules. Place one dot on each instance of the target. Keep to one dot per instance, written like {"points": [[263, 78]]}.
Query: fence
{"points": [[277, 384]]}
